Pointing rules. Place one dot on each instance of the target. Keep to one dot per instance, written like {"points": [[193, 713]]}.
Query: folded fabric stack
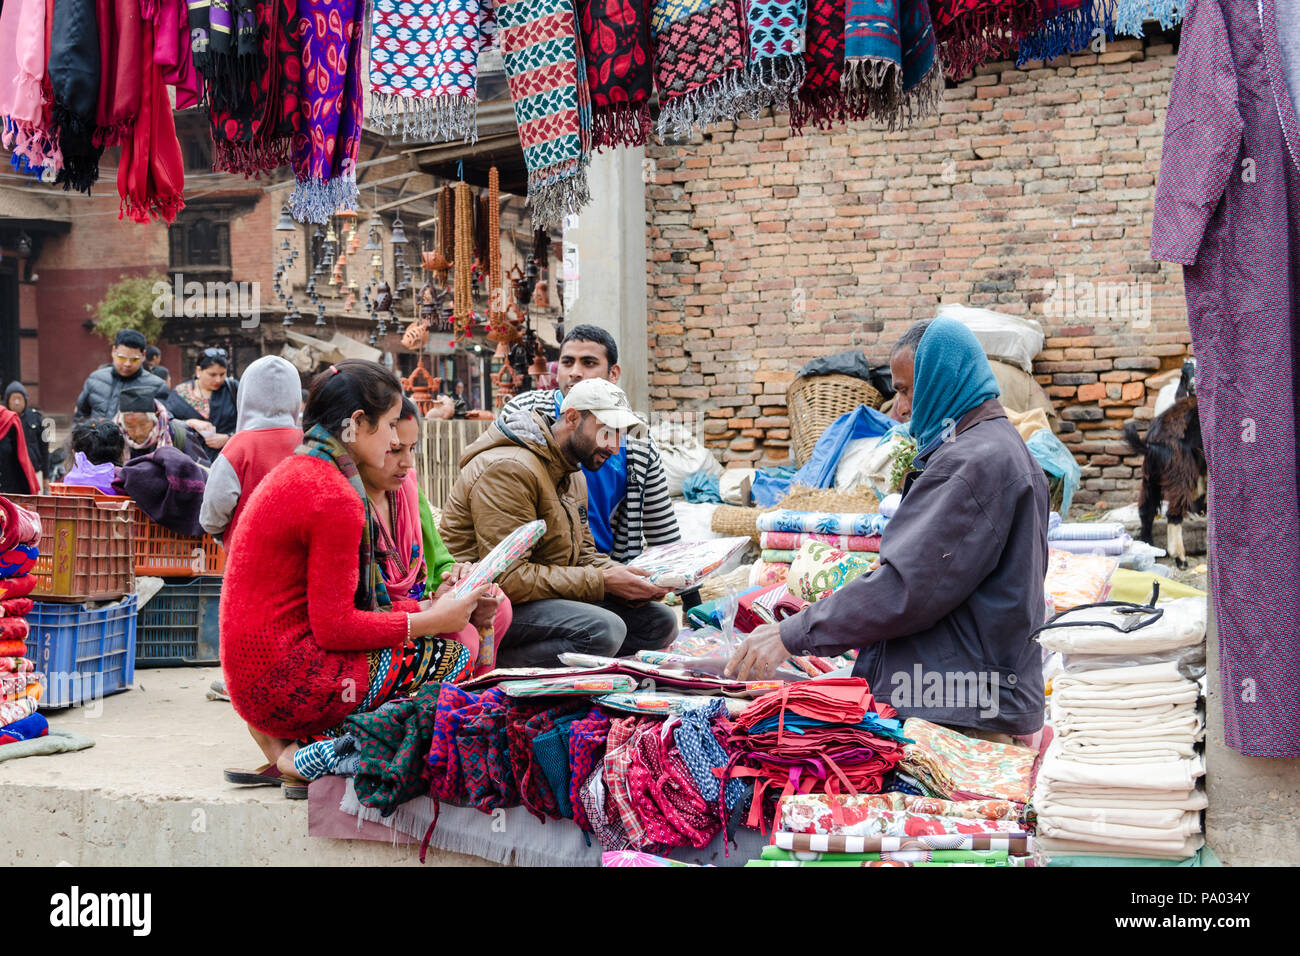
{"points": [[683, 564], [1089, 537], [1121, 778], [817, 736], [898, 830], [20, 683], [1075, 579], [952, 766], [850, 540]]}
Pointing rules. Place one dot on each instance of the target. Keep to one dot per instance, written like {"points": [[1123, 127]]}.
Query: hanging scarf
{"points": [[1129, 14], [819, 100], [619, 58], [700, 64], [119, 70], [547, 75], [74, 78], [437, 101], [891, 61], [776, 45], [231, 56], [159, 436], [24, 42], [371, 594], [171, 51], [255, 135], [150, 171], [974, 32], [1067, 27], [325, 147]]}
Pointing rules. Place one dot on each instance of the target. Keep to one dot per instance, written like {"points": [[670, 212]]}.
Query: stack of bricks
{"points": [[767, 250]]}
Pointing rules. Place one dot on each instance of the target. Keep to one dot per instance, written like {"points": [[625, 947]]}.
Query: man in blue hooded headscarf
{"points": [[942, 625]]}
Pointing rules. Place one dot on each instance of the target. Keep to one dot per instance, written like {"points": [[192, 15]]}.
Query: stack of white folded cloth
{"points": [[1121, 777]]}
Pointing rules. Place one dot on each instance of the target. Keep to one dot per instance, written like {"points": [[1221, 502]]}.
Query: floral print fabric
{"points": [[856, 816], [953, 765], [820, 570]]}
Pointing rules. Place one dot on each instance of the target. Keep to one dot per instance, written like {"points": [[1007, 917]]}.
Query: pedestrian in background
{"points": [[103, 389], [38, 450]]}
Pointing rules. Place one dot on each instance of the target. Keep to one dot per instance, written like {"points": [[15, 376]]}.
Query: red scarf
{"points": [[119, 71], [151, 173], [10, 420]]}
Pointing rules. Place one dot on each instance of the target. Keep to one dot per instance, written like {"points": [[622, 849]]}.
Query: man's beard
{"points": [[587, 455]]}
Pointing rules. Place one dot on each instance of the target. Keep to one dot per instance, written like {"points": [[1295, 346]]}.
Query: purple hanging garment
{"points": [[1227, 208]]}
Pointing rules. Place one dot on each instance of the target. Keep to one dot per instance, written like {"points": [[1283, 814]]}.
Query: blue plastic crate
{"points": [[179, 625], [82, 652]]}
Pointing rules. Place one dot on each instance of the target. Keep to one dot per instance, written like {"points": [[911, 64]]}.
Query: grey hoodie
{"points": [[269, 397]]}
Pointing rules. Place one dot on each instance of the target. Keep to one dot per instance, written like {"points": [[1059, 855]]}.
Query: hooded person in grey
{"points": [[266, 432]]}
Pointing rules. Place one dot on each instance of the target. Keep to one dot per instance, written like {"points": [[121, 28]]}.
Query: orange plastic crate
{"points": [[86, 547], [159, 552]]}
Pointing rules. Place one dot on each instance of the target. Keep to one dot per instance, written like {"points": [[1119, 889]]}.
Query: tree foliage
{"points": [[129, 304]]}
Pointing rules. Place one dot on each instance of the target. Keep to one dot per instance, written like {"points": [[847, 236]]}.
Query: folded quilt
{"points": [[16, 607], [1109, 546], [1181, 625], [799, 815], [1157, 818], [55, 742], [16, 665], [1177, 775], [29, 728], [13, 629], [1055, 846], [1088, 798], [1085, 531], [822, 522], [13, 648], [15, 685], [829, 843], [794, 540], [17, 587], [819, 570], [12, 711], [951, 764]]}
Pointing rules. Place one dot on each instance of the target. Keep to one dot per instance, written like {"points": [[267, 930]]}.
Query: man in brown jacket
{"points": [[567, 596]]}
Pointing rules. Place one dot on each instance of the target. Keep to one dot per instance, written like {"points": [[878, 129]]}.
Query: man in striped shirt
{"points": [[627, 498]]}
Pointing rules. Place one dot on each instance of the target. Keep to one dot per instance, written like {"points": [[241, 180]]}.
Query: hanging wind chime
{"points": [[463, 295]]}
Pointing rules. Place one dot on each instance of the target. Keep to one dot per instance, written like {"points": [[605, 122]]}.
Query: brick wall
{"points": [[767, 250]]}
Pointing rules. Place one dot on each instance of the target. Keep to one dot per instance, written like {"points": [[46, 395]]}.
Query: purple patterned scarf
{"points": [[325, 148]]}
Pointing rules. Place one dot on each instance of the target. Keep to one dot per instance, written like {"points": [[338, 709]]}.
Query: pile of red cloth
{"points": [[822, 736], [20, 684]]}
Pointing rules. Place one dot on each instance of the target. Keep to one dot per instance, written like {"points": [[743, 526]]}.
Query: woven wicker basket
{"points": [[730, 521], [826, 499], [814, 403]]}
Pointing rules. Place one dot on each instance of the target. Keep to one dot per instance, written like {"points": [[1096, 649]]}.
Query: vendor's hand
{"points": [[449, 613], [631, 584], [216, 440], [760, 655], [453, 576], [486, 609]]}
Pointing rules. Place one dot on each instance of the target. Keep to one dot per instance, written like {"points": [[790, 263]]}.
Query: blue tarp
{"points": [[1055, 459], [819, 472]]}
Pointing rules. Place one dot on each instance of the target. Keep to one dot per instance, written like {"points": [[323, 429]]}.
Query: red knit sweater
{"points": [[293, 645]]}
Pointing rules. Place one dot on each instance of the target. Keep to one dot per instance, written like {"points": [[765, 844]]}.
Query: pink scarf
{"points": [[24, 54], [402, 559], [172, 52]]}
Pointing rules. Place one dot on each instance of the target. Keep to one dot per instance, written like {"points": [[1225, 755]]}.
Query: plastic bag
{"points": [[1007, 338], [682, 455], [1074, 579]]}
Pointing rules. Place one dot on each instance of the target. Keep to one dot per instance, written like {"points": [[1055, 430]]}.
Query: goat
{"points": [[1173, 466]]}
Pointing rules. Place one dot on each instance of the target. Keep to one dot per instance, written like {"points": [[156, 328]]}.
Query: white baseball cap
{"points": [[606, 401]]}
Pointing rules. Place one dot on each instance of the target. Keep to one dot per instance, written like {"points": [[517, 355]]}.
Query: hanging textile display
{"points": [[150, 171], [1067, 27], [74, 71], [173, 51], [256, 133], [232, 59], [1235, 237], [548, 83], [424, 67], [776, 46], [24, 43], [819, 100], [620, 69], [892, 72], [1129, 14], [974, 32], [463, 301], [700, 67], [119, 70], [325, 149]]}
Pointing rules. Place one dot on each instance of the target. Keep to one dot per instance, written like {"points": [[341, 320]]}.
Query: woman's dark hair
{"points": [[100, 440], [215, 356], [345, 387], [409, 411]]}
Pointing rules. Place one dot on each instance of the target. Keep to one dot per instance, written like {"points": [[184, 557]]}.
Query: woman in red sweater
{"points": [[308, 632]]}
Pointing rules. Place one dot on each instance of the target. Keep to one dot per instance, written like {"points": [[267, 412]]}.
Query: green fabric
{"points": [[1204, 857], [55, 742], [1135, 586], [393, 744], [436, 556], [937, 856]]}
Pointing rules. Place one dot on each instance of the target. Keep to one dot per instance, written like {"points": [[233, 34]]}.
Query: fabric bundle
{"points": [[957, 767], [818, 570], [974, 32], [619, 56], [1067, 27], [324, 150], [253, 133], [12, 711], [24, 48], [700, 68], [74, 72], [150, 171], [548, 83], [796, 811], [764, 573], [794, 540], [841, 815], [1075, 579], [1120, 778], [776, 46], [424, 66], [820, 522], [892, 72], [15, 686], [819, 736], [29, 728], [1100, 537]]}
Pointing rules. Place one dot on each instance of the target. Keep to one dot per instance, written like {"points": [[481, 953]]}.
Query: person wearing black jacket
{"points": [[38, 451], [207, 402], [100, 395]]}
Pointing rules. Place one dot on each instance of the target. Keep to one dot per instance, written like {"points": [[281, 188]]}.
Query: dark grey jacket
{"points": [[103, 390], [943, 624]]}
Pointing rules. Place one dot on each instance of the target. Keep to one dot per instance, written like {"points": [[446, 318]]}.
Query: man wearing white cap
{"points": [[629, 507], [567, 596]]}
